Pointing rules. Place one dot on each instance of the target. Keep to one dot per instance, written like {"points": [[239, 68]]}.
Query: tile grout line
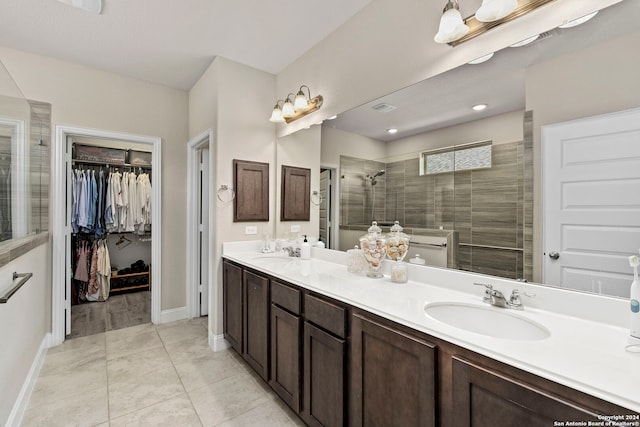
{"points": [[179, 377], [106, 367]]}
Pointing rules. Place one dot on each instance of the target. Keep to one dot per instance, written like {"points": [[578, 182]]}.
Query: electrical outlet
{"points": [[295, 228], [251, 229]]}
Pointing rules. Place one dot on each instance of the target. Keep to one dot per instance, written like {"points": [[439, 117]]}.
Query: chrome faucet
{"points": [[497, 298], [293, 252], [515, 301]]}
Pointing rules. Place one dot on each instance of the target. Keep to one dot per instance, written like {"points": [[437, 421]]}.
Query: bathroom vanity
{"points": [[343, 349]]}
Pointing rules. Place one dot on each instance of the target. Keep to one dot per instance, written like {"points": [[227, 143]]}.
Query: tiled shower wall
{"points": [[486, 206]]}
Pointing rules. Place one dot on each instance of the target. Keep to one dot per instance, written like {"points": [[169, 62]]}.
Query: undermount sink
{"points": [[273, 258], [488, 321]]}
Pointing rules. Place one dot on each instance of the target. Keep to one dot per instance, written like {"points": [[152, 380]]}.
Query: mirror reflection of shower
{"points": [[374, 181]]}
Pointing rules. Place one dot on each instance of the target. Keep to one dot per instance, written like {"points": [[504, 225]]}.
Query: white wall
{"points": [[336, 143], [24, 322], [230, 98], [500, 129], [85, 97], [598, 80]]}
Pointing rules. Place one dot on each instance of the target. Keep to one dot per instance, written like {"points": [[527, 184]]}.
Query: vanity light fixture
{"points": [[479, 107], [490, 14], [451, 26], [482, 59], [492, 10], [295, 106], [578, 21]]}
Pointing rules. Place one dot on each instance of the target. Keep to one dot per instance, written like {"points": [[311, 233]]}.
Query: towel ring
{"points": [[318, 198], [225, 189]]}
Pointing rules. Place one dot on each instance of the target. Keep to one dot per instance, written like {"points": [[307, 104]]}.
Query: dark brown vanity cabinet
{"points": [[393, 375], [338, 365], [256, 322], [286, 350], [232, 305], [483, 393], [246, 315], [325, 352]]}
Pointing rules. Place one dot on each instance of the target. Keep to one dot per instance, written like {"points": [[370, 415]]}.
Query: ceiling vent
{"points": [[384, 107]]}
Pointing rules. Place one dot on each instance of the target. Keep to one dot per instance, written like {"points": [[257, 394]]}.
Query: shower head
{"points": [[373, 177]]}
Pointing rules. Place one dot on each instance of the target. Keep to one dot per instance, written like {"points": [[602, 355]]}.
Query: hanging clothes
{"points": [[91, 270]]}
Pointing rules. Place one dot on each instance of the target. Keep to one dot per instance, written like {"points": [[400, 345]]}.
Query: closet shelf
{"points": [[122, 276], [129, 288]]}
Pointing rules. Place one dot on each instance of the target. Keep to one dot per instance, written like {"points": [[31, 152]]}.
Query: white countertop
{"points": [[585, 349]]}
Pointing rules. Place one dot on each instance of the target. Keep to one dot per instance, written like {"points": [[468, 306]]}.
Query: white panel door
{"points": [[591, 199]]}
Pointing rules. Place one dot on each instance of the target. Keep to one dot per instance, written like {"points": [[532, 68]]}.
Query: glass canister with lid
{"points": [[397, 248], [397, 243], [374, 248]]}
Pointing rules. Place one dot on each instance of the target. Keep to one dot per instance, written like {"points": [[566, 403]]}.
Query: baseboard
{"points": [[21, 403], [217, 342], [173, 314]]}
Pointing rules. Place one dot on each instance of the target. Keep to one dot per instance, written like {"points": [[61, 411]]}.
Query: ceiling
{"points": [[172, 42], [446, 100]]}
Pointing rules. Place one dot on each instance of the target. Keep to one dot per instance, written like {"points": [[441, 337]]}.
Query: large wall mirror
{"points": [[25, 135], [496, 211]]}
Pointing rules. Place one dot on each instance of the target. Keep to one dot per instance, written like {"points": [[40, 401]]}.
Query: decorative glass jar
{"points": [[397, 243], [374, 248]]}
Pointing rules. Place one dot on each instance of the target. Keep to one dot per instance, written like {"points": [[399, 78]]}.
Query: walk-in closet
{"points": [[109, 203]]}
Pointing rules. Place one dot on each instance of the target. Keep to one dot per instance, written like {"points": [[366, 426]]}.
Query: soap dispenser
{"points": [[305, 249]]}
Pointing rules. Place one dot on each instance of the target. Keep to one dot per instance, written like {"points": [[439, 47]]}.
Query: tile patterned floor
{"points": [[151, 375], [117, 312]]}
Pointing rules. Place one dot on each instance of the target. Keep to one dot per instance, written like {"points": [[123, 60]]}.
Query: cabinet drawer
{"points": [[285, 296], [326, 315]]}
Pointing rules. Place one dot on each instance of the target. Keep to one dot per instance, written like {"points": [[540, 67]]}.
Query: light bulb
{"points": [[492, 10], [451, 27]]}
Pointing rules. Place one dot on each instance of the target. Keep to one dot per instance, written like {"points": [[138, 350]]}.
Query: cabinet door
{"points": [[484, 397], [393, 381], [256, 325], [285, 356], [232, 305], [324, 378]]}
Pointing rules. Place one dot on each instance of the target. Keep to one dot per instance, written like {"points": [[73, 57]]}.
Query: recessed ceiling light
{"points": [[526, 41], [332, 117], [479, 107], [392, 131], [578, 21], [482, 59]]}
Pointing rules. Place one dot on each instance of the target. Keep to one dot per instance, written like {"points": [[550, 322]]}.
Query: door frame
{"points": [[335, 204], [205, 139], [62, 228]]}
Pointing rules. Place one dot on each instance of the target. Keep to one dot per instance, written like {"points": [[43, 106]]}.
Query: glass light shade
{"points": [[451, 27], [287, 109], [526, 41], [300, 103], [482, 59], [578, 21], [276, 115], [492, 10]]}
